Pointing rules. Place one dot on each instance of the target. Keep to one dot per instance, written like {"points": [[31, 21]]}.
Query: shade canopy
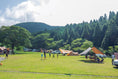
{"points": [[96, 51], [86, 51]]}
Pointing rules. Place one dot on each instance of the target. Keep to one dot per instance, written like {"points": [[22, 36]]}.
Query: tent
{"points": [[73, 54], [64, 51], [95, 50], [86, 51], [68, 52], [1, 49]]}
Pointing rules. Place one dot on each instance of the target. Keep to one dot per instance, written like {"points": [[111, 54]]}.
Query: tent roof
{"points": [[2, 48], [96, 51], [86, 51]]}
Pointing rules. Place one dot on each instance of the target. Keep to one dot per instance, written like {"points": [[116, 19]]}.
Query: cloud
{"points": [[57, 12], [28, 11]]}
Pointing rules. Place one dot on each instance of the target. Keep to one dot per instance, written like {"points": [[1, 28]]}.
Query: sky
{"points": [[54, 12]]}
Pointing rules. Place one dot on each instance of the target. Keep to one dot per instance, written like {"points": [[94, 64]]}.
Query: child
{"points": [[41, 56]]}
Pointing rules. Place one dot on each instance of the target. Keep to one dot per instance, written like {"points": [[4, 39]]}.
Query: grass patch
{"points": [[63, 64]]}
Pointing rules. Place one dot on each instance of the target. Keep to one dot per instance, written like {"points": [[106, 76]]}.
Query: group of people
{"points": [[99, 59], [5, 51], [44, 51], [96, 58]]}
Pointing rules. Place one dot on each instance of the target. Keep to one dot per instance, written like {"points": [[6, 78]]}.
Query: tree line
{"points": [[101, 33]]}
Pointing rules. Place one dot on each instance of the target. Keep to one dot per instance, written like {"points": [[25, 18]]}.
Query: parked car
{"points": [[115, 62], [56, 51]]}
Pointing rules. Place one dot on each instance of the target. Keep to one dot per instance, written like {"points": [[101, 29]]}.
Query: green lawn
{"points": [[74, 65]]}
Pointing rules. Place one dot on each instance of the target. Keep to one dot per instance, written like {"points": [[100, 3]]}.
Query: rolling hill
{"points": [[35, 27]]}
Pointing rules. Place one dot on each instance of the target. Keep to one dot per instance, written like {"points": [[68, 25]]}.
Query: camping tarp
{"points": [[86, 51], [2, 48], [72, 54], [64, 51], [96, 51]]}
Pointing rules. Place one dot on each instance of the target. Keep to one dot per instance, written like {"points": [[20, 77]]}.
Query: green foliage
{"points": [[15, 36], [41, 41], [87, 44], [101, 33], [77, 42], [110, 49], [116, 48], [67, 47], [80, 44], [35, 27]]}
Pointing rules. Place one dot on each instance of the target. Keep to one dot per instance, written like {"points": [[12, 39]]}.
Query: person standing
{"points": [[53, 55], [86, 56], [113, 57], [44, 53], [57, 55], [49, 53], [7, 52]]}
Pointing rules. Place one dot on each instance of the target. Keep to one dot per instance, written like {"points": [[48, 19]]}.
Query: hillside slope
{"points": [[35, 27]]}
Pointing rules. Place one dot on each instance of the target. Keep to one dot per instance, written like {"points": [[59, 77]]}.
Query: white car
{"points": [[115, 62]]}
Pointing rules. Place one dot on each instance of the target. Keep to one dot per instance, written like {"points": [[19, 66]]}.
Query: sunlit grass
{"points": [[64, 64]]}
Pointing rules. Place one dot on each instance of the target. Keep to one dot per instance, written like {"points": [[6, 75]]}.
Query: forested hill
{"points": [[103, 33], [35, 27]]}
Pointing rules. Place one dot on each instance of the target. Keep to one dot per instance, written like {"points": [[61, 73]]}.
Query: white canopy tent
{"points": [[86, 51]]}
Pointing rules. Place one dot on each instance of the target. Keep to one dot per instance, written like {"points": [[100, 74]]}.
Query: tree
{"points": [[67, 47], [117, 19], [41, 41], [110, 49], [15, 36], [86, 44], [111, 15], [56, 44], [80, 44], [111, 35], [97, 35], [116, 48]]}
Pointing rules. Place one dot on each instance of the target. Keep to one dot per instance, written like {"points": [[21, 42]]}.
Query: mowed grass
{"points": [[32, 62]]}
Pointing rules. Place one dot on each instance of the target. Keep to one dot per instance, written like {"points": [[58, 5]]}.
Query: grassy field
{"points": [[31, 66]]}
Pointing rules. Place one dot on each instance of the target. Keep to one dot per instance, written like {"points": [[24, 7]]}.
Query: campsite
{"points": [[28, 65], [59, 39]]}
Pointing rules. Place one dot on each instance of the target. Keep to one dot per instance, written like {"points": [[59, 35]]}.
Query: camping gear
{"points": [[1, 64]]}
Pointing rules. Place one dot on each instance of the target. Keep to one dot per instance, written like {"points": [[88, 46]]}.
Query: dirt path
{"points": [[60, 74]]}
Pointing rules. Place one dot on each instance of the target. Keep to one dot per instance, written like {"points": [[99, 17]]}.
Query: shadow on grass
{"points": [[21, 53], [89, 61], [116, 67]]}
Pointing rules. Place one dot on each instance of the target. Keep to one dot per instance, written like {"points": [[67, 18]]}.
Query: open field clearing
{"points": [[31, 66]]}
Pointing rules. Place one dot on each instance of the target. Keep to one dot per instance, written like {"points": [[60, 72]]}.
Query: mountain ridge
{"points": [[35, 27]]}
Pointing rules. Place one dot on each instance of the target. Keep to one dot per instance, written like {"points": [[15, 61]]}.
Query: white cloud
{"points": [[57, 12]]}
